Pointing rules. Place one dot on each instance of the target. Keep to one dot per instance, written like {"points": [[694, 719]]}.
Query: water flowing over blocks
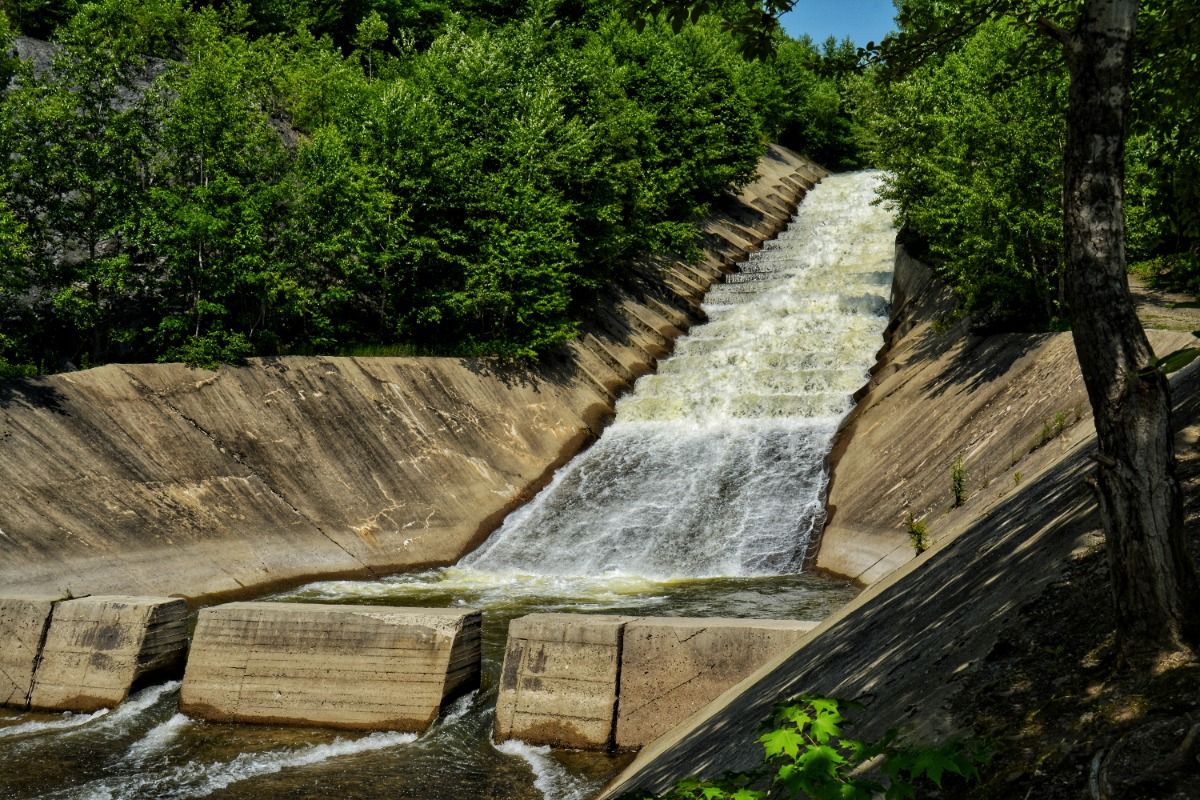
{"points": [[339, 666], [23, 624], [671, 667], [98, 648], [559, 681]]}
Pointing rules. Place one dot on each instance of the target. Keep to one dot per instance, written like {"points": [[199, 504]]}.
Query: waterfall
{"points": [[714, 466]]}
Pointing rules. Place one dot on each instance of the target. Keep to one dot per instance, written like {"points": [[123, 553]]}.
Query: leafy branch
{"points": [[806, 755]]}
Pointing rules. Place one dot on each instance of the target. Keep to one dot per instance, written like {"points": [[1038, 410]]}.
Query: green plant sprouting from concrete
{"points": [[958, 481], [806, 755], [1054, 427], [918, 532]]}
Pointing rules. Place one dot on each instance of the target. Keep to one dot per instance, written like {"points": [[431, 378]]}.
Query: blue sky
{"points": [[861, 20]]}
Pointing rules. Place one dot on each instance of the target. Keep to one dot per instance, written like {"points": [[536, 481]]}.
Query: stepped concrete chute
{"points": [[352, 667], [214, 484], [599, 682], [96, 649]]}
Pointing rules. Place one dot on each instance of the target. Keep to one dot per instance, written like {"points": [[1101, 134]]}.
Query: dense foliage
{"points": [[206, 182], [973, 136], [806, 754]]}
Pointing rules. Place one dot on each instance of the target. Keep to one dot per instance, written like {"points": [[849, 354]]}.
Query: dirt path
{"points": [[1159, 308]]}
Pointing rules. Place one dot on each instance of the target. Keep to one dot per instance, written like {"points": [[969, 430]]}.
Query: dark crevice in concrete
{"points": [[39, 653], [611, 746]]}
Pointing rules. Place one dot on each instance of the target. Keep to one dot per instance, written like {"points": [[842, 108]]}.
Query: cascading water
{"points": [[698, 500], [714, 466]]}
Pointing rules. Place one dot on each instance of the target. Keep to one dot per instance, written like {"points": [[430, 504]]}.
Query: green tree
{"points": [[973, 146], [1155, 584], [1163, 211], [205, 223]]}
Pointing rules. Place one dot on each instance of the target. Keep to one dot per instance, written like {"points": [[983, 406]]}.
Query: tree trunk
{"points": [[1155, 587]]}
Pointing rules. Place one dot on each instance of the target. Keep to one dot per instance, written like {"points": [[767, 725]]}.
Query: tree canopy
{"points": [[204, 182]]}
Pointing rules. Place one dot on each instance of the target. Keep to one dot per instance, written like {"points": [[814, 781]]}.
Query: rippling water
{"points": [[698, 500]]}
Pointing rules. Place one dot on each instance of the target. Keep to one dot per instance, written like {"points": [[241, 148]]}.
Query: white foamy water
{"points": [[715, 466], [64, 723], [126, 714], [203, 779], [458, 709], [158, 738], [104, 719], [549, 777]]}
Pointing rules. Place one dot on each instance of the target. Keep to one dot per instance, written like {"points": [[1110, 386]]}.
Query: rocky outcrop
{"points": [[353, 667], [88, 653], [161, 479], [597, 682]]}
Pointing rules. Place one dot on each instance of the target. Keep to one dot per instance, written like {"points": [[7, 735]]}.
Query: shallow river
{"points": [[698, 500]]}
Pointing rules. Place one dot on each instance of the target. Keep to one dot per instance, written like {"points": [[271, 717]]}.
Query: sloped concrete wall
{"points": [[939, 393], [354, 667], [160, 479]]}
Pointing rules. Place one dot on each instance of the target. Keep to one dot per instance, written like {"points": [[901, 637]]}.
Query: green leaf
{"points": [[824, 706], [782, 742], [747, 794], [1172, 362], [825, 727]]}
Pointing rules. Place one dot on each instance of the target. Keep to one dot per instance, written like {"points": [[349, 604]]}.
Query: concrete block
{"points": [[23, 625], [559, 682], [671, 667], [339, 666], [97, 648]]}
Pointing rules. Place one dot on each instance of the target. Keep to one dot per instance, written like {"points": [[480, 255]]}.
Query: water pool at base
{"points": [[699, 500], [145, 750]]}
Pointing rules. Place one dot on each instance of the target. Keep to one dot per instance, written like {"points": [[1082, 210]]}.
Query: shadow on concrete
{"points": [[981, 360], [515, 372], [32, 392]]}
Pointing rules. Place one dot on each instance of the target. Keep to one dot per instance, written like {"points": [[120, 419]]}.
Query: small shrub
{"points": [[210, 350], [1046, 435], [918, 532], [1060, 422], [1053, 427], [958, 481], [1017, 478]]}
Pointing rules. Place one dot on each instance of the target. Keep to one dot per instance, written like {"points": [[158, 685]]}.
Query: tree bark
{"points": [[1154, 580]]}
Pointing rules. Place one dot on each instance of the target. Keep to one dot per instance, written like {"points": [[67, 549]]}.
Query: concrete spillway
{"points": [[714, 466], [698, 500]]}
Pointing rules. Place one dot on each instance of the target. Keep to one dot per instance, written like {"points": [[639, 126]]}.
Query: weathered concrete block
{"points": [[23, 624], [671, 667], [358, 667], [97, 648], [558, 685]]}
